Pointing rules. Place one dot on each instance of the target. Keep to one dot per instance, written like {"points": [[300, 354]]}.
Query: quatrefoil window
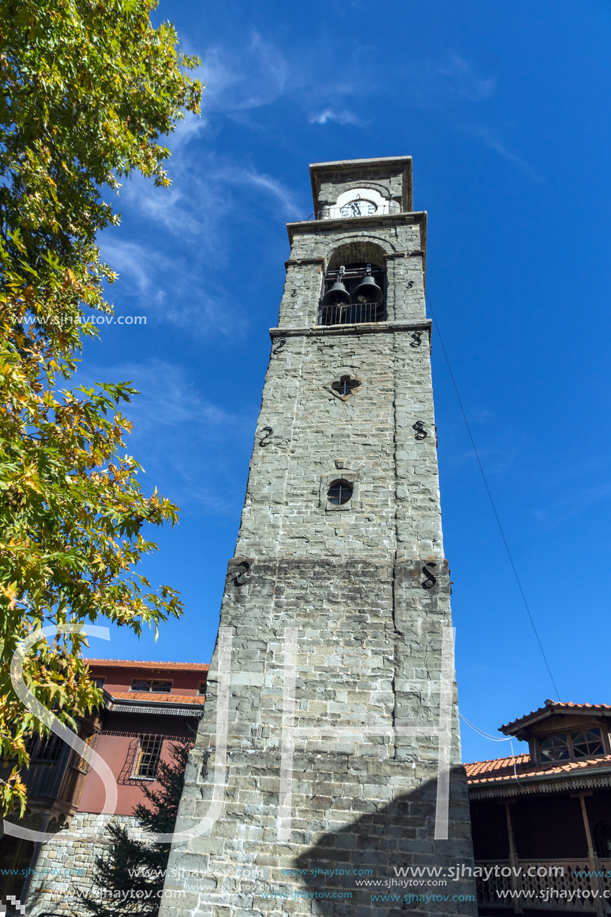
{"points": [[345, 386]]}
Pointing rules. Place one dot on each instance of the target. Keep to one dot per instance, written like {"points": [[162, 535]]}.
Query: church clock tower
{"points": [[329, 753]]}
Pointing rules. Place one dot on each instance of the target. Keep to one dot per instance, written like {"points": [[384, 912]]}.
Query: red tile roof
{"points": [[152, 698], [551, 706], [138, 664], [507, 768], [496, 769]]}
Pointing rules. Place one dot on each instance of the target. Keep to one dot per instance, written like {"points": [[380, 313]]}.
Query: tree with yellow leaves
{"points": [[89, 88]]}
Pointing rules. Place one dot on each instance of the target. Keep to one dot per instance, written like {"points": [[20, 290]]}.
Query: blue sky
{"points": [[505, 109]]}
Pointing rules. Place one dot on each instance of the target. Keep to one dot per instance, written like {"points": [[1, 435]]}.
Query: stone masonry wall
{"points": [[384, 177], [371, 433], [397, 241], [361, 593], [369, 647], [65, 868]]}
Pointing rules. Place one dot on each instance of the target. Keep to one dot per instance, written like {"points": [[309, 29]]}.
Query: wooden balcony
{"points": [[55, 777], [565, 885]]}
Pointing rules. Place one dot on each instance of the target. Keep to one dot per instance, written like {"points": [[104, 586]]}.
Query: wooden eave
{"points": [[523, 785]]}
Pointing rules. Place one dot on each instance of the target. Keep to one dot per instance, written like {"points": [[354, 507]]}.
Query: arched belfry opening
{"points": [[354, 288], [357, 251]]}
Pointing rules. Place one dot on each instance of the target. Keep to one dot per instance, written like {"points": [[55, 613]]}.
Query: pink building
{"points": [[148, 707]]}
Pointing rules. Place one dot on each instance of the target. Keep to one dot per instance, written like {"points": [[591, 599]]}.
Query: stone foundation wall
{"points": [[65, 869], [368, 655]]}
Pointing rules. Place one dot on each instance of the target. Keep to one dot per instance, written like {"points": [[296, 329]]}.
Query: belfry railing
{"points": [[352, 314]]}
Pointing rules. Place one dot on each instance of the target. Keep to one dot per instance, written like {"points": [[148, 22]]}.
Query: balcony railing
{"points": [[560, 885], [55, 772], [353, 314], [42, 779]]}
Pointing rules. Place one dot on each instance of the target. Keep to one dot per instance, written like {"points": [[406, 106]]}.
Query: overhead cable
{"points": [[494, 510]]}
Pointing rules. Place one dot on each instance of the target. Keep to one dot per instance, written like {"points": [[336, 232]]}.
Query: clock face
{"points": [[358, 208]]}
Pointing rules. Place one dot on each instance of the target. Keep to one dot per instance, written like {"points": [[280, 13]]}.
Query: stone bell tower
{"points": [[328, 757]]}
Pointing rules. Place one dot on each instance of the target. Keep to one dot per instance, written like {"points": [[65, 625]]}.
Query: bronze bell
{"points": [[368, 291], [337, 295]]}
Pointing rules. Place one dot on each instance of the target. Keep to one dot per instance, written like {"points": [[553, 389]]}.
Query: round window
{"points": [[339, 492]]}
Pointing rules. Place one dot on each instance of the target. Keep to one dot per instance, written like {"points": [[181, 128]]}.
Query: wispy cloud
{"points": [[204, 313], [329, 114], [242, 78], [189, 127], [441, 86], [170, 291], [198, 200], [435, 84], [576, 486], [136, 265], [502, 150], [185, 437], [574, 503], [495, 460], [186, 239], [165, 208], [463, 81], [258, 181], [169, 399]]}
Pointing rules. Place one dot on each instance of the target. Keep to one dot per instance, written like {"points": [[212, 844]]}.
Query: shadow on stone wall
{"points": [[382, 842]]}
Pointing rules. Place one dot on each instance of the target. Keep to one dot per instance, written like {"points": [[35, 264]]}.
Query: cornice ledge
{"points": [[376, 219], [297, 262], [362, 328], [525, 786], [167, 709]]}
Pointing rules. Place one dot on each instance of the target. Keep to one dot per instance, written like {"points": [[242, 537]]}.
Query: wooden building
{"points": [[541, 821]]}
